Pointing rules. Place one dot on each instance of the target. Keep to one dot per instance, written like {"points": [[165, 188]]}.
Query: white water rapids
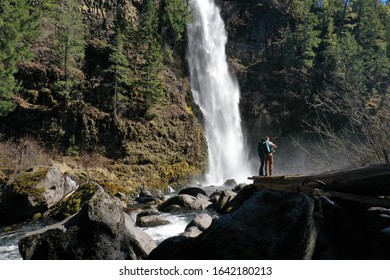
{"points": [[217, 94]]}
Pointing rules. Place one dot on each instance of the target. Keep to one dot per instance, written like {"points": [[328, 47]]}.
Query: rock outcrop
{"points": [[100, 230], [31, 192]]}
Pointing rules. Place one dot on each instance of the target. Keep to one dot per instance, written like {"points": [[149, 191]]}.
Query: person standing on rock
{"points": [[261, 150], [268, 157]]}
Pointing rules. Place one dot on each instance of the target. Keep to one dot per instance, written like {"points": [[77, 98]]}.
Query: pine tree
{"points": [[177, 15], [327, 50], [70, 43], [19, 26], [302, 39], [152, 85], [371, 36], [119, 64]]}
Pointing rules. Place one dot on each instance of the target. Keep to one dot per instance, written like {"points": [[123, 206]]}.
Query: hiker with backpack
{"points": [[261, 148], [264, 150]]}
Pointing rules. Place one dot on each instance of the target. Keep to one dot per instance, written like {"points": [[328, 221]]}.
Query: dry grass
{"points": [[23, 154]]}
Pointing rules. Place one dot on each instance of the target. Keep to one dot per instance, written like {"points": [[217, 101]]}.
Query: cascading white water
{"points": [[216, 92]]}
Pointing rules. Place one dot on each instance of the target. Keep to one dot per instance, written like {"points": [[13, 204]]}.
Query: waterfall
{"points": [[217, 93]]}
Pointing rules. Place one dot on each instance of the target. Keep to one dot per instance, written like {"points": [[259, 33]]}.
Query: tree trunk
{"points": [[373, 180]]}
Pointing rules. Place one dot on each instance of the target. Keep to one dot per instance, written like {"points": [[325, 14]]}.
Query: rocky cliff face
{"points": [[143, 148], [268, 101]]}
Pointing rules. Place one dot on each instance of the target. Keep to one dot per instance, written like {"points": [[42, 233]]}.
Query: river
{"points": [[10, 235]]}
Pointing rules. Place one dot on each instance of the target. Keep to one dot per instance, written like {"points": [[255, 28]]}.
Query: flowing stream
{"points": [[10, 235], [216, 92]]}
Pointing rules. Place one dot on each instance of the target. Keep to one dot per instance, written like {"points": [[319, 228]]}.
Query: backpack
{"points": [[264, 148]]}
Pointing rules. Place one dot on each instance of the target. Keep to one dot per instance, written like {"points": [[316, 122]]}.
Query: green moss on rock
{"points": [[26, 182], [73, 203]]}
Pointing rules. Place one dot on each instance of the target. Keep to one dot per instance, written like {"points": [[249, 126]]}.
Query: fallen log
{"points": [[372, 180], [363, 200]]}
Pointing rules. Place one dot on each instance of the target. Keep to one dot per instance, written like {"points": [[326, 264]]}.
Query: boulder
{"points": [[239, 187], [142, 243], [184, 202], [191, 232], [100, 230], [73, 202], [342, 235], [269, 225], [230, 183], [146, 196], [232, 203], [214, 197], [33, 191], [147, 212], [151, 221], [194, 191], [202, 221], [224, 198]]}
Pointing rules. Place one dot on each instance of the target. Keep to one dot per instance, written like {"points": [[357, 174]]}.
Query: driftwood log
{"points": [[368, 185]]}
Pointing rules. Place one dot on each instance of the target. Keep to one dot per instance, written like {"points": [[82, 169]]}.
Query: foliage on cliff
{"points": [[102, 78]]}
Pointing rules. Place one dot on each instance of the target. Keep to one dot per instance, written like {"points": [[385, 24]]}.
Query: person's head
{"points": [[267, 138]]}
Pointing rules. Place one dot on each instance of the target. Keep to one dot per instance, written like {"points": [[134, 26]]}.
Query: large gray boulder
{"points": [[100, 230], [200, 223], [33, 191], [269, 225], [142, 243], [151, 221]]}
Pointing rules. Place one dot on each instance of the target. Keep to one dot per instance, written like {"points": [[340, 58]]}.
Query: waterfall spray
{"points": [[217, 94]]}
